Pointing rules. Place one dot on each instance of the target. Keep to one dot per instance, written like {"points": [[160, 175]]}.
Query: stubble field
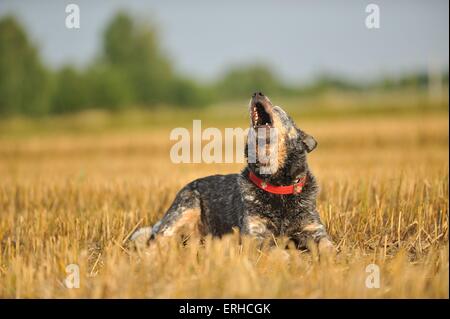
{"points": [[74, 198]]}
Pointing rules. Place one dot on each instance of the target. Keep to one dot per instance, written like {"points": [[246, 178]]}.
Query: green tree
{"points": [[243, 81], [186, 92], [71, 91], [108, 88], [24, 82], [133, 50]]}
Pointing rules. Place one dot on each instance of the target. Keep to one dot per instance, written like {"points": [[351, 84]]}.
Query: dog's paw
{"points": [[141, 232], [326, 248], [141, 236]]}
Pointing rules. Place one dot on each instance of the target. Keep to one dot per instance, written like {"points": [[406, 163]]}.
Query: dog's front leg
{"points": [[312, 232], [258, 228]]}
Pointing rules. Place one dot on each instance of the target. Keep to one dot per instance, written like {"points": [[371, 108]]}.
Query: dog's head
{"points": [[275, 144]]}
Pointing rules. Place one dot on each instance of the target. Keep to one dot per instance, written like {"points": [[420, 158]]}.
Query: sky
{"points": [[298, 39]]}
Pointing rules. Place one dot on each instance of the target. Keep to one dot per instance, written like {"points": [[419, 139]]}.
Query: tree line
{"points": [[131, 69]]}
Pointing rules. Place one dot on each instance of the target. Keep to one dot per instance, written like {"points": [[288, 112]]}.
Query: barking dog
{"points": [[282, 203]]}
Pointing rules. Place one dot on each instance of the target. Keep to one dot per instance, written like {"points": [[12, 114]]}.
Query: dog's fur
{"points": [[217, 204]]}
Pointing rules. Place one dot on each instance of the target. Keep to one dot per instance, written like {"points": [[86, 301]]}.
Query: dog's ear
{"points": [[309, 142]]}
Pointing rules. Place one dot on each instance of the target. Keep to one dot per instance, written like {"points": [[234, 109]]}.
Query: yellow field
{"points": [[75, 198]]}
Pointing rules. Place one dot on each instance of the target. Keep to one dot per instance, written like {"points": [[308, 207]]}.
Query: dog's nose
{"points": [[257, 94]]}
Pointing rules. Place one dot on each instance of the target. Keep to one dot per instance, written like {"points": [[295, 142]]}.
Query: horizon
{"points": [[400, 46]]}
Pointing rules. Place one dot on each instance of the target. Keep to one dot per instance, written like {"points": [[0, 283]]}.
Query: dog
{"points": [[265, 206]]}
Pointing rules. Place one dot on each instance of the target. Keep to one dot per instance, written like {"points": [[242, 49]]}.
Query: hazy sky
{"points": [[299, 39]]}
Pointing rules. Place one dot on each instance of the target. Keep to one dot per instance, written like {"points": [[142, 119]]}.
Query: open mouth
{"points": [[261, 115]]}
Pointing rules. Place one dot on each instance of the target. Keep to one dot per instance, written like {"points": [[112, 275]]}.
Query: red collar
{"points": [[280, 190]]}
